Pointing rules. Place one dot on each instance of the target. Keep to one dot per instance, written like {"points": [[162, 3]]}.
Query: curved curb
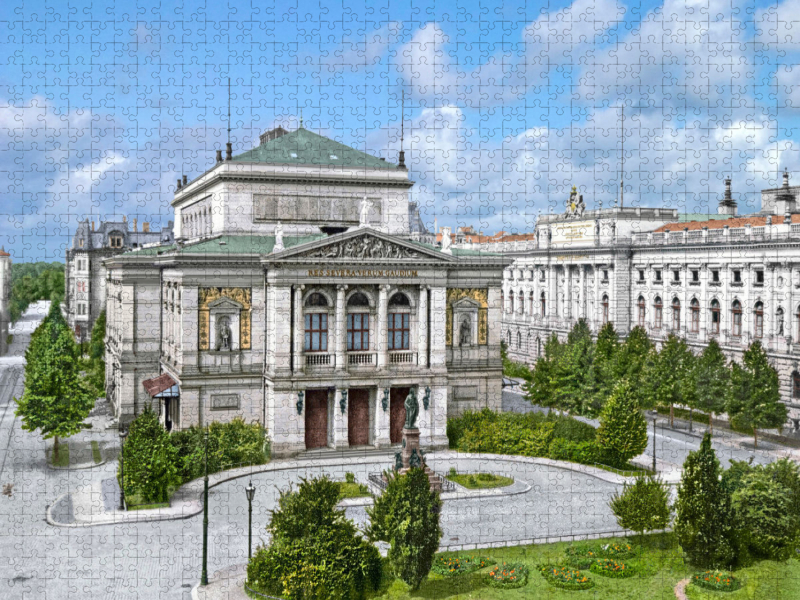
{"points": [[680, 589], [193, 497], [520, 487], [78, 467]]}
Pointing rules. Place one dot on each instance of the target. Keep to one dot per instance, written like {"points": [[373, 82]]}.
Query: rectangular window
{"points": [[676, 276], [737, 276], [695, 275], [715, 314], [759, 324], [695, 319], [659, 316], [737, 323], [715, 276], [398, 331], [357, 331], [641, 274], [316, 339], [760, 277], [658, 274]]}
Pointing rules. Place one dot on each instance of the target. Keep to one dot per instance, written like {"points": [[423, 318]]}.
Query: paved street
{"points": [[162, 559]]}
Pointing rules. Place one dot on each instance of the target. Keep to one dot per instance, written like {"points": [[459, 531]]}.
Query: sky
{"points": [[103, 105]]}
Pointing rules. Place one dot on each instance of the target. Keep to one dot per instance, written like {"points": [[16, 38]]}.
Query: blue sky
{"points": [[104, 105]]}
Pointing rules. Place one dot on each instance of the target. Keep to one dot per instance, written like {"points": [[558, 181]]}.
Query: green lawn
{"points": [[135, 502], [96, 455], [479, 481], [659, 564], [63, 455], [352, 490]]}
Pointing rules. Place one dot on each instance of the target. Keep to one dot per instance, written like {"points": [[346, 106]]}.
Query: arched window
{"points": [[642, 311], [519, 341], [736, 314], [716, 317], [658, 308], [316, 299], [511, 300], [796, 385], [399, 324], [357, 323], [605, 309], [759, 320], [531, 307], [695, 306], [508, 338], [502, 301], [676, 314], [521, 307], [542, 304]]}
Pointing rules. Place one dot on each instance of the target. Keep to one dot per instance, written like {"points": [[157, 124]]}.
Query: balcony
{"points": [[320, 360], [362, 359], [402, 359]]}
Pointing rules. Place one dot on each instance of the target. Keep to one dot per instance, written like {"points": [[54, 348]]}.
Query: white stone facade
{"points": [[5, 296]]}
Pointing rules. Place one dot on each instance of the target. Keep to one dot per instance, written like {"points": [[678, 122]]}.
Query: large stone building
{"points": [[728, 277], [84, 273], [5, 297], [296, 296]]}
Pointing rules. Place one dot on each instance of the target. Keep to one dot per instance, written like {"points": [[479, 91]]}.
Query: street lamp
{"points": [[204, 575], [122, 435], [654, 445], [250, 491]]}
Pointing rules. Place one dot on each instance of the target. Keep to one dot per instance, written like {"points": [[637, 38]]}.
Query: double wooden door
{"points": [[397, 413], [316, 419], [358, 417]]}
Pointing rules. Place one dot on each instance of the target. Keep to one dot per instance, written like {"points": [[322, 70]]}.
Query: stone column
{"points": [[422, 324], [568, 294], [705, 304], [340, 337], [380, 326], [381, 433], [551, 299], [595, 319], [340, 439], [299, 329], [582, 293]]}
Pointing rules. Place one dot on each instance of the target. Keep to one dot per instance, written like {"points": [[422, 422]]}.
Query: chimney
{"points": [[92, 225], [179, 185], [219, 156], [124, 218], [145, 227], [228, 151], [727, 206], [135, 224], [185, 180], [785, 178], [272, 134]]}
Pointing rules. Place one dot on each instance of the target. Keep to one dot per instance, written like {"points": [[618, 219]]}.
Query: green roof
{"points": [[247, 244], [688, 217], [455, 251], [303, 147]]}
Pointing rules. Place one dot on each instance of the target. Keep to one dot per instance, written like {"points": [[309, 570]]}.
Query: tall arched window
{"points": [[521, 307], [759, 320], [736, 321], [399, 326], [531, 307], [658, 308], [358, 322], [519, 341], [716, 317], [508, 338], [511, 300], [676, 314], [642, 311], [542, 306], [316, 323], [695, 306], [795, 385], [502, 301], [605, 309]]}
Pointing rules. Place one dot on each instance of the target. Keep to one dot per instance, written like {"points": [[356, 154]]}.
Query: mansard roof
{"points": [[303, 147], [753, 221]]}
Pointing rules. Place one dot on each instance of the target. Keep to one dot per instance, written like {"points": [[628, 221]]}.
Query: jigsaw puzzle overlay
{"points": [[508, 293]]}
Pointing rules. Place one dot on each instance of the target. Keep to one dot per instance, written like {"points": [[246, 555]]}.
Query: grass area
{"points": [[630, 469], [96, 455], [658, 562], [63, 455], [480, 481], [352, 490], [136, 502]]}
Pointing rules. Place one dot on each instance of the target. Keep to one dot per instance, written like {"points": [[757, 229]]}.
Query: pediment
{"points": [[224, 303], [466, 303], [361, 245]]}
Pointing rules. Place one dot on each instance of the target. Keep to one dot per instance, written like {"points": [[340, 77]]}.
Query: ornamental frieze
{"points": [[364, 247]]}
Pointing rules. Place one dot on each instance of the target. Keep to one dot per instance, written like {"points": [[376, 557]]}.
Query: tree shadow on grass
{"points": [[436, 587]]}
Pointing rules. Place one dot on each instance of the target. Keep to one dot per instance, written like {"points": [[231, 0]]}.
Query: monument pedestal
{"points": [[410, 448]]}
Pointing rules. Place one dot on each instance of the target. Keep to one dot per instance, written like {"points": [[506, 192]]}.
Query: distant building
{"points": [[5, 296], [84, 273]]}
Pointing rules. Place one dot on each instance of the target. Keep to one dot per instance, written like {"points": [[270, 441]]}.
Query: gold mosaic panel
{"points": [[206, 296], [479, 295]]}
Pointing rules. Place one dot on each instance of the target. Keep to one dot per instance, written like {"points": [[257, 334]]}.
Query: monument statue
{"points": [[465, 332], [364, 208], [412, 409], [224, 334], [415, 462], [278, 237]]}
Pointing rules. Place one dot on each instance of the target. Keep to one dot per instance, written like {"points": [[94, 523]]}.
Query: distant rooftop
{"points": [[303, 147]]}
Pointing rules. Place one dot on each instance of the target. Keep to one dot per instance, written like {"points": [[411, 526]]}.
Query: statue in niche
{"points": [[278, 237], [465, 332], [224, 334], [364, 208], [779, 318], [412, 409]]}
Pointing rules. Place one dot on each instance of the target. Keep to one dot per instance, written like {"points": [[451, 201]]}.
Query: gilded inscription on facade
{"points": [[481, 297], [208, 295]]}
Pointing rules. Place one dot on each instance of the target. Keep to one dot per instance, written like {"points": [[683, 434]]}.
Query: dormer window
{"points": [[115, 240], [293, 154], [334, 157], [80, 243]]}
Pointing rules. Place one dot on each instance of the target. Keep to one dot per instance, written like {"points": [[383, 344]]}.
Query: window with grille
{"points": [[399, 331], [736, 313], [358, 331], [759, 320], [316, 339], [716, 316], [659, 314]]}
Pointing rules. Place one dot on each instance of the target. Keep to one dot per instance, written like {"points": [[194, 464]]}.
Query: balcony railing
{"points": [[402, 358], [361, 358], [319, 359]]}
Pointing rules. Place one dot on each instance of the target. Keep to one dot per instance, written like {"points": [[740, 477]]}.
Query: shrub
{"points": [[610, 567], [350, 477], [579, 452], [643, 506], [719, 581], [566, 579], [450, 566], [764, 524], [623, 428], [149, 459], [407, 516], [571, 429], [508, 576], [316, 553]]}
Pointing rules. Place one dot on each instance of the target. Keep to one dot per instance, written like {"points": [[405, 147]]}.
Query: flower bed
{"points": [[508, 576], [608, 567], [581, 557], [566, 579], [618, 550], [719, 581], [450, 566]]}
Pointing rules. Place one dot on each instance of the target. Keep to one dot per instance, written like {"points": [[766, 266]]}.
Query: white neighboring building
{"points": [[733, 278], [5, 297]]}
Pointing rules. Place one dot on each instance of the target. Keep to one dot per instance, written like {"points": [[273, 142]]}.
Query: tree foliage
{"points": [[150, 459], [34, 281], [703, 514], [604, 365], [407, 516], [667, 372], [754, 396], [712, 379], [622, 434], [55, 400], [642, 506]]}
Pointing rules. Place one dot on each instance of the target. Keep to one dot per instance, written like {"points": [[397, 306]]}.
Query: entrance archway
{"points": [[358, 417], [316, 419], [397, 413]]}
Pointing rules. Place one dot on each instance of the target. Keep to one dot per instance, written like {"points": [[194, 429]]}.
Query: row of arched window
{"points": [[520, 304], [197, 223], [715, 310]]}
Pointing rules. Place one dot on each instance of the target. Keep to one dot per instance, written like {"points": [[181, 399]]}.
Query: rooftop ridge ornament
{"points": [[401, 164]]}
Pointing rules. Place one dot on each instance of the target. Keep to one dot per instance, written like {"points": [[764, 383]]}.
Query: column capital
{"points": [[342, 287], [384, 287]]}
